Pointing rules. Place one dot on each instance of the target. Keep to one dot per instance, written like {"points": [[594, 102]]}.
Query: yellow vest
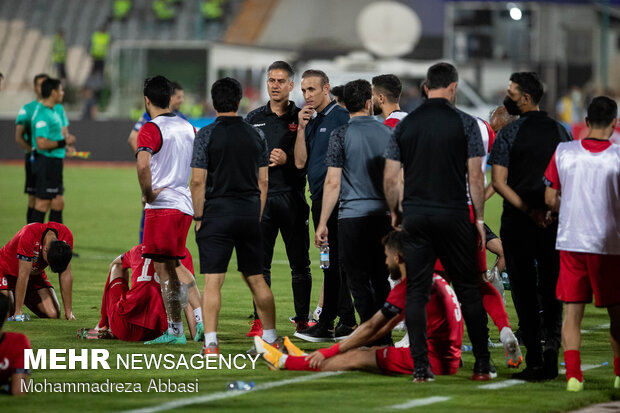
{"points": [[59, 51], [99, 45]]}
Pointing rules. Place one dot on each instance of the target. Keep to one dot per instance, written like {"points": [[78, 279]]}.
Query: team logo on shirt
{"points": [[5, 364], [292, 127], [323, 130]]}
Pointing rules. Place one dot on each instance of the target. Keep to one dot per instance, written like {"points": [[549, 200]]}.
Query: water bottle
{"points": [[20, 317], [240, 385], [324, 256], [505, 280]]}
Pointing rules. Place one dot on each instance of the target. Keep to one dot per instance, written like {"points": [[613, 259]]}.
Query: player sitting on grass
{"points": [[444, 332], [12, 346], [22, 270], [137, 313]]}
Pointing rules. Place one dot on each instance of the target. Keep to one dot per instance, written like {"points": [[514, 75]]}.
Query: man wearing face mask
{"points": [[521, 153]]}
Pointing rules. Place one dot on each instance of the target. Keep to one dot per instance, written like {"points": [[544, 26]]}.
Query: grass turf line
{"points": [[103, 211]]}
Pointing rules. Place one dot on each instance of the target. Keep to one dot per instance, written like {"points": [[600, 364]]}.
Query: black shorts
{"points": [[490, 235], [48, 172], [31, 182], [217, 237]]}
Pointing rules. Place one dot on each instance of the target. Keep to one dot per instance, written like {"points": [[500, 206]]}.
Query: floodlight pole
{"points": [[604, 43]]}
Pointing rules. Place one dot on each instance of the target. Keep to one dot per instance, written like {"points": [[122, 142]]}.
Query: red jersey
{"points": [[12, 347], [27, 244], [143, 305], [444, 321], [394, 118]]}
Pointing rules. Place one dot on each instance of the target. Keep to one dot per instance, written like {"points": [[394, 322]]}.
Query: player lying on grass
{"points": [[444, 332], [12, 346], [22, 270], [138, 313]]}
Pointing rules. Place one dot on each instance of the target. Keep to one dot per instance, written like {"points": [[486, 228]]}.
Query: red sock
{"points": [[298, 363], [572, 359], [617, 366], [494, 305]]}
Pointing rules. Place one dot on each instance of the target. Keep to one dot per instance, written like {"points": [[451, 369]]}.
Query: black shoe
{"points": [[484, 371], [423, 374], [316, 334], [550, 364], [341, 332], [531, 374], [75, 254]]}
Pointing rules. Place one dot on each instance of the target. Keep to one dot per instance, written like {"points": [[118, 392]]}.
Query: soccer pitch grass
{"points": [[103, 211]]}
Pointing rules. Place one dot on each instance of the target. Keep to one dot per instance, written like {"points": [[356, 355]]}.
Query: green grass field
{"points": [[103, 211]]}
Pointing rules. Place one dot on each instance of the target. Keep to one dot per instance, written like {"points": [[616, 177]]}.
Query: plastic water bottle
{"points": [[324, 257], [505, 280], [240, 385], [20, 317]]}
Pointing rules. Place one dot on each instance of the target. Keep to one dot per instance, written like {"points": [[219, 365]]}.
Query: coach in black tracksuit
{"points": [[441, 152], [520, 155], [286, 209]]}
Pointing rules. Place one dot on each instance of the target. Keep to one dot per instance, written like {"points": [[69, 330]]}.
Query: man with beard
{"points": [[444, 329], [520, 155], [386, 90]]}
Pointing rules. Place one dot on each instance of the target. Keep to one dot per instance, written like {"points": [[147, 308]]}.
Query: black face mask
{"points": [[511, 106]]}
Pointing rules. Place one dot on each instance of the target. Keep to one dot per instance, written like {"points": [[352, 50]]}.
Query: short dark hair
{"points": [[389, 85], [338, 92], [59, 255], [282, 65], [48, 85], [441, 75], [158, 89], [394, 241], [601, 111], [226, 94], [40, 76], [316, 73], [356, 93], [176, 86], [529, 82], [5, 304]]}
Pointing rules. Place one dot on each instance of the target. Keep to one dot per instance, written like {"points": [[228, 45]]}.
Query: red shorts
{"points": [[399, 361], [35, 282], [582, 274], [119, 325], [165, 233]]}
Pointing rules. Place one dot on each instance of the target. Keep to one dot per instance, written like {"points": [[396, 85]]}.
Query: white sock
{"points": [[282, 361], [505, 334], [270, 335], [176, 329], [198, 314], [210, 337]]}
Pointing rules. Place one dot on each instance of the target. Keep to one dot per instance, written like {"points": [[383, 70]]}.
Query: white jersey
{"points": [[486, 142], [590, 208], [170, 166]]}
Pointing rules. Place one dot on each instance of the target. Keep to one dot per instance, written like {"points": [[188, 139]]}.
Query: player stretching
{"points": [[444, 332], [138, 313], [22, 269], [164, 153], [583, 181]]}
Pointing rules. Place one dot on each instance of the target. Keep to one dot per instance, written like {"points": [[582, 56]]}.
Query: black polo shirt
{"points": [[231, 151], [525, 147], [434, 143], [280, 132]]}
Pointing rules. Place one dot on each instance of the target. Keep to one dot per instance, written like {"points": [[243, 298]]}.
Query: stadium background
{"points": [[573, 44]]}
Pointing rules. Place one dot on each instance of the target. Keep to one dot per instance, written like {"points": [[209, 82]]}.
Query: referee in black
{"points": [[519, 157], [441, 152], [286, 209]]}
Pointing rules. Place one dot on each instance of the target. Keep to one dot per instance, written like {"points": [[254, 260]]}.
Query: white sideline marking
{"points": [[229, 394], [419, 402], [584, 367], [596, 328], [501, 384]]}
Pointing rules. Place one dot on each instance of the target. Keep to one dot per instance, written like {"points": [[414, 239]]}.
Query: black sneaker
{"points": [[484, 371], [341, 332], [550, 364], [316, 334], [531, 373], [423, 374]]}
